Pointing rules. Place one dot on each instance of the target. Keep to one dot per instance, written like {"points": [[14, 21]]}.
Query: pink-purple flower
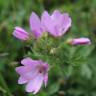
{"points": [[33, 73], [79, 41], [56, 24], [36, 28]]}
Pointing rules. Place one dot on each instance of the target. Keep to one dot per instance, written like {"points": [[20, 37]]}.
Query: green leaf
{"points": [[86, 71], [53, 88]]}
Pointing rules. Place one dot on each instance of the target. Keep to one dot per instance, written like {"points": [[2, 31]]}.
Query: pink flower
{"points": [[79, 41], [20, 33], [57, 24], [33, 73], [36, 27]]}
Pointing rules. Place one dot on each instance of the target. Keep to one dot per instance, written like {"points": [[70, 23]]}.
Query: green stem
{"points": [[4, 85]]}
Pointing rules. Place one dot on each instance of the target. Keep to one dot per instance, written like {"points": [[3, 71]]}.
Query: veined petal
{"points": [[35, 84], [35, 25], [27, 72], [57, 19], [66, 22], [56, 24], [47, 22], [28, 61], [56, 14], [23, 69]]}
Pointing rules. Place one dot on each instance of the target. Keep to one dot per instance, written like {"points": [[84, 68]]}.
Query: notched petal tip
{"points": [[35, 25]]}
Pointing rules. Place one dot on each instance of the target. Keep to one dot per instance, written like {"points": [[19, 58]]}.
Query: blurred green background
{"points": [[76, 80]]}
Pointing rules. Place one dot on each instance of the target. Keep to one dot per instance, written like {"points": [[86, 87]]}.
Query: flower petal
{"points": [[56, 24], [23, 69], [35, 84], [66, 22], [29, 61], [22, 80], [27, 72], [57, 19], [47, 22], [56, 14], [35, 25], [46, 79]]}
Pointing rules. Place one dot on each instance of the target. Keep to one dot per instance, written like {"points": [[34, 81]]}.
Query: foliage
{"points": [[73, 68]]}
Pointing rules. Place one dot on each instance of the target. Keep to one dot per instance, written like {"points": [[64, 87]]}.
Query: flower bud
{"points": [[79, 41], [20, 33]]}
